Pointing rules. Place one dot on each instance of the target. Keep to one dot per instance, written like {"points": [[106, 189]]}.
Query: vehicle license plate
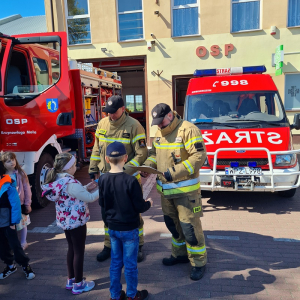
{"points": [[243, 171]]}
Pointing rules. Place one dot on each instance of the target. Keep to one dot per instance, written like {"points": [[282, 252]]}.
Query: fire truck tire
{"points": [[46, 161], [287, 194]]}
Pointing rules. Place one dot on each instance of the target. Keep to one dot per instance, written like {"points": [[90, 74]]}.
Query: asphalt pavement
{"points": [[252, 239]]}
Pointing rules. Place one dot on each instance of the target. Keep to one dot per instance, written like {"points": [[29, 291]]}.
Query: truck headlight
{"points": [[285, 159]]}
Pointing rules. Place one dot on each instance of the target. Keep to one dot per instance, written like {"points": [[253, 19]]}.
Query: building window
{"points": [[134, 103], [294, 13], [78, 22], [292, 92], [130, 20], [185, 17], [245, 15]]}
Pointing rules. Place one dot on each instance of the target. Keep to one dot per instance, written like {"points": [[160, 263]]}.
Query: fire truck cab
{"points": [[245, 129], [46, 107]]}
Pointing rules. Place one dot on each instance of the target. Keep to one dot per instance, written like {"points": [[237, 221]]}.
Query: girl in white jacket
{"points": [[72, 214]]}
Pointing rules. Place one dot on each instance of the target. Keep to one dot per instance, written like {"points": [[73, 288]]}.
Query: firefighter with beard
{"points": [[178, 152], [118, 126]]}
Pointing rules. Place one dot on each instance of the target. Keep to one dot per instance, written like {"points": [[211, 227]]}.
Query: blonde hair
{"points": [[5, 156], [60, 161]]}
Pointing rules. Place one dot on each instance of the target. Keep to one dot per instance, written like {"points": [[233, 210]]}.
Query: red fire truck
{"points": [[48, 105], [245, 130]]}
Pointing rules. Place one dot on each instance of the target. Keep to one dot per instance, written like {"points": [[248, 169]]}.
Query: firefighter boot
{"points": [[104, 254], [140, 255], [197, 273], [175, 260]]}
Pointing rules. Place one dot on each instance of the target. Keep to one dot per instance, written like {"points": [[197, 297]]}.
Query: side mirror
{"points": [[296, 124]]}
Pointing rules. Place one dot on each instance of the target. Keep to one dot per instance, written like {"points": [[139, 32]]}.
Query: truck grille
{"points": [[242, 162]]}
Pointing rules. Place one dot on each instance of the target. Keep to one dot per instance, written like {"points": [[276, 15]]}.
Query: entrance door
{"points": [[133, 84], [180, 84]]}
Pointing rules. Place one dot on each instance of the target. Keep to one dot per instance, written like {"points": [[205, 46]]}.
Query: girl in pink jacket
{"points": [[14, 170]]}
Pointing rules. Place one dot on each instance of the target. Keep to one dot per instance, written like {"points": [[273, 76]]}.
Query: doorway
{"points": [[180, 85]]}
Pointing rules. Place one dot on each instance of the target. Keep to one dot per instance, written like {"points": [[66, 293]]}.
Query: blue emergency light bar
{"points": [[234, 164], [252, 164], [230, 71]]}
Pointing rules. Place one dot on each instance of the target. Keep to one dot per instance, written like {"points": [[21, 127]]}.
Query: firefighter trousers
{"points": [[141, 234], [182, 218]]}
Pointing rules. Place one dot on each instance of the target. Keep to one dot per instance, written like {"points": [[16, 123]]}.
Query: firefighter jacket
{"points": [[126, 130], [179, 149]]}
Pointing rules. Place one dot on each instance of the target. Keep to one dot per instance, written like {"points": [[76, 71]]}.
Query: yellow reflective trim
{"points": [[138, 137], [168, 146], [159, 188], [102, 131], [180, 190], [141, 231], [192, 141], [178, 244], [135, 163], [111, 140], [152, 159], [138, 176], [106, 231], [189, 167], [97, 134], [195, 250], [94, 157]]}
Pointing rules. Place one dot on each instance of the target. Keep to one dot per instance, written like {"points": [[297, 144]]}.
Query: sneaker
{"points": [[83, 286], [140, 255], [140, 295], [122, 296], [28, 272], [24, 246], [8, 271], [70, 283], [197, 273], [104, 254], [175, 260]]}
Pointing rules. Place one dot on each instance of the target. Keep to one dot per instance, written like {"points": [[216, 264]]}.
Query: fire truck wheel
{"points": [[287, 194], [45, 162]]}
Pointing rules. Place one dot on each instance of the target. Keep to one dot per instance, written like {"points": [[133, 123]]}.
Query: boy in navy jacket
{"points": [[121, 200]]}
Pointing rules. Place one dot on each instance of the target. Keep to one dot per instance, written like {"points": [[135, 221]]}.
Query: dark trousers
{"points": [[10, 247], [75, 256]]}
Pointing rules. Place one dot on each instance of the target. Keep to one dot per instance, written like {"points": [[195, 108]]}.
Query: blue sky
{"points": [[25, 8]]}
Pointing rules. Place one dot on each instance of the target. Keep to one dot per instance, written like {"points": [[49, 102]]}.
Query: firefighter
{"points": [[118, 126], [178, 152]]}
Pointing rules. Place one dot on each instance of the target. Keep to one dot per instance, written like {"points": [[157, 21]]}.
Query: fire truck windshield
{"points": [[237, 107], [31, 70]]}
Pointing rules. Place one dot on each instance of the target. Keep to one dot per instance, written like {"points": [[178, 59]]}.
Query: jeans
{"points": [[124, 251]]}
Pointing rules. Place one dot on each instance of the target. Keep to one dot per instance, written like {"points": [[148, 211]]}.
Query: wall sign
{"points": [[201, 51]]}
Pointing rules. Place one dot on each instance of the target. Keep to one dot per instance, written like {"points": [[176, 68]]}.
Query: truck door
{"points": [[36, 91]]}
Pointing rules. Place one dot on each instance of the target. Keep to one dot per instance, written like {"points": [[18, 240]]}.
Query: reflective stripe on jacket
{"points": [[178, 148]]}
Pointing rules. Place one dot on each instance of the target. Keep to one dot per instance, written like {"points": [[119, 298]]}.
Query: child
{"points": [[10, 212], [72, 214], [14, 170], [121, 200]]}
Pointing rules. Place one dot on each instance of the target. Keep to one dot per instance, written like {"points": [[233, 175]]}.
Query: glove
{"points": [[168, 175], [92, 175]]}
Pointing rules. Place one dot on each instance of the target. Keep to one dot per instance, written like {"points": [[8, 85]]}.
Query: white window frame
{"points": [[285, 86], [287, 17], [134, 102], [77, 17], [130, 12], [260, 15], [182, 7]]}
